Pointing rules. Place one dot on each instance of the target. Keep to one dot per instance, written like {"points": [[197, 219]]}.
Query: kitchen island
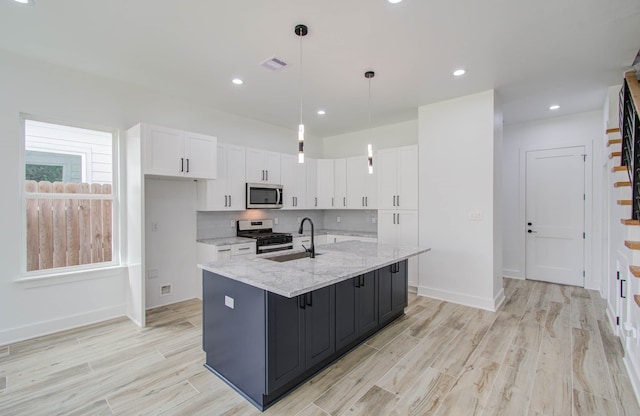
{"points": [[269, 325]]}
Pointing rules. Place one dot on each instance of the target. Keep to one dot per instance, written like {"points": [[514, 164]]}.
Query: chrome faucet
{"points": [[311, 250]]}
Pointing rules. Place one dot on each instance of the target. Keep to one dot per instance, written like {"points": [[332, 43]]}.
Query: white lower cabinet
{"points": [[208, 252], [400, 228]]}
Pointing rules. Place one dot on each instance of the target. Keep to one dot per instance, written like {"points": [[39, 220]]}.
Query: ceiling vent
{"points": [[274, 64]]}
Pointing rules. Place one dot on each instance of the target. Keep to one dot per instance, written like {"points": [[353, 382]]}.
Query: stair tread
{"points": [[615, 154], [620, 184], [630, 222], [633, 245], [618, 168], [624, 202], [614, 141], [613, 130], [635, 270]]}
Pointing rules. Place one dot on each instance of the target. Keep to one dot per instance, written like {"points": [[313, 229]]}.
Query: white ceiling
{"points": [[534, 53]]}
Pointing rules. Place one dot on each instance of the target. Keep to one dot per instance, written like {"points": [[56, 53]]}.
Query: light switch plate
{"points": [[337, 219], [275, 221], [228, 302]]}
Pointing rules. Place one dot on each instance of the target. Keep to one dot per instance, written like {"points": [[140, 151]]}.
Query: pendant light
{"points": [[368, 75], [300, 31]]}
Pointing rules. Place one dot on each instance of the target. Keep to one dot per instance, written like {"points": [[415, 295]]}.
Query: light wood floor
{"points": [[548, 351]]}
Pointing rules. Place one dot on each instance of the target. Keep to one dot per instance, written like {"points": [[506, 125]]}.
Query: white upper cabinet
{"points": [[340, 183], [170, 152], [294, 182], [325, 183], [397, 178], [312, 182], [361, 185], [227, 192], [262, 166]]}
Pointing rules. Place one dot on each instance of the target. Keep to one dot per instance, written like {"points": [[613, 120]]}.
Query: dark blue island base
{"points": [[264, 345]]}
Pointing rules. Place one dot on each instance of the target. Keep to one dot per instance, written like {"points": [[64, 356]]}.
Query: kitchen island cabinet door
{"points": [[319, 316], [392, 291], [367, 301], [346, 312], [285, 339]]}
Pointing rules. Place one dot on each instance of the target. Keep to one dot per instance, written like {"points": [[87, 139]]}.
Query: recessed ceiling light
{"points": [[24, 1], [459, 72], [237, 81], [394, 1], [554, 107], [321, 112]]}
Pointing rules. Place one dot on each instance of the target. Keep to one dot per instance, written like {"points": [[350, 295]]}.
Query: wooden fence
{"points": [[67, 231]]}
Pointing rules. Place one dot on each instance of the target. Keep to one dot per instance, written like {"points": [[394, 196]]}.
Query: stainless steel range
{"points": [[262, 231]]}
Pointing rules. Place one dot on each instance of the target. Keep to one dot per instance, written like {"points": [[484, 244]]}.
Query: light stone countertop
{"points": [[324, 231], [333, 263], [225, 241]]}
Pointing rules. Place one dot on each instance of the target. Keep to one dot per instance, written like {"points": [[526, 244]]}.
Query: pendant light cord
{"points": [[300, 79]]}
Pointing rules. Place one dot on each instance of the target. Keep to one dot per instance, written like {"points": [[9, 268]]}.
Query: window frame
{"points": [[82, 271]]}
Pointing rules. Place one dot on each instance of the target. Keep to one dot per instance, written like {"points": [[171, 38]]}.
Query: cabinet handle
{"points": [[267, 174], [621, 290], [187, 165], [331, 201], [302, 300], [225, 200], [366, 201], [229, 200], [394, 200], [398, 218], [316, 201], [310, 301], [244, 248], [224, 250], [398, 199], [362, 201], [394, 217], [181, 164], [362, 280], [344, 201]]}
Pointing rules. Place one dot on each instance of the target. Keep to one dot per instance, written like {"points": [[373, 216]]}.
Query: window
{"points": [[69, 213]]}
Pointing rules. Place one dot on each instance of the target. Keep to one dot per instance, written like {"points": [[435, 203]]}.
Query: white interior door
{"points": [[555, 215]]}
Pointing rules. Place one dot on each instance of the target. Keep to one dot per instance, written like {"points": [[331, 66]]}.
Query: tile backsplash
{"points": [[223, 224]]}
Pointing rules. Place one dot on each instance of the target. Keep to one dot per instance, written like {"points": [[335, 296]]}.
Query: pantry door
{"points": [[554, 227]]}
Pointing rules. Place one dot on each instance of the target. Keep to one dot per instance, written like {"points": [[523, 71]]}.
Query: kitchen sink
{"points": [[291, 256]]}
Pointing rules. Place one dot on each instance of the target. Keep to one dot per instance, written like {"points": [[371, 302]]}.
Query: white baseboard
{"points": [[463, 299], [9, 336], [513, 274]]}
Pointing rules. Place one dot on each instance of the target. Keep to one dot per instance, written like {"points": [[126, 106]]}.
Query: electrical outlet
{"points": [[154, 227], [337, 219], [374, 220], [275, 221], [232, 223], [474, 216], [299, 220]]}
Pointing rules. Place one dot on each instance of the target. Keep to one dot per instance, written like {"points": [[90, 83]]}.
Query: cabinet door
{"points": [[311, 186], [340, 183], [164, 151], [200, 155], [392, 291], [236, 182], [255, 168], [300, 185], [356, 182], [346, 312], [212, 194], [272, 167], [387, 229], [408, 177], [285, 340], [386, 166], [288, 165], [367, 301], [371, 196], [407, 225], [325, 183], [319, 316], [399, 289]]}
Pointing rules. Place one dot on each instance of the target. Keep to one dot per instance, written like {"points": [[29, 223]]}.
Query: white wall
{"points": [[583, 129], [355, 143], [63, 95], [457, 151]]}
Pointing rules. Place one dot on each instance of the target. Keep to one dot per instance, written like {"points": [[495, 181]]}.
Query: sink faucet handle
{"points": [[305, 249]]}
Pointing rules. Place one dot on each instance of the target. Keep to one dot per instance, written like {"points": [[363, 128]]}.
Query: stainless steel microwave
{"points": [[264, 196]]}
